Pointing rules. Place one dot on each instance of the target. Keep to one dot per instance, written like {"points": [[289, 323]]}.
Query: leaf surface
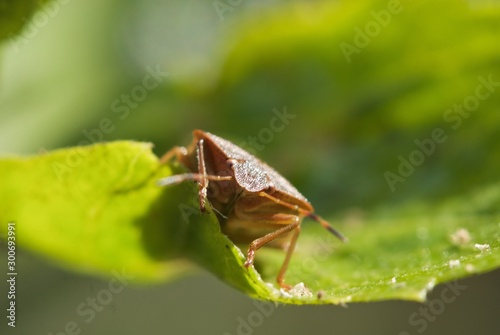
{"points": [[98, 209]]}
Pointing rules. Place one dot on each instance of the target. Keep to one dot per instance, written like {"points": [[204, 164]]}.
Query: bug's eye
{"points": [[270, 189], [230, 163]]}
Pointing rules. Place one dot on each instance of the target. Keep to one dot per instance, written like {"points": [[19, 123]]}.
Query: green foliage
{"points": [[14, 14], [86, 207], [361, 110], [98, 209]]}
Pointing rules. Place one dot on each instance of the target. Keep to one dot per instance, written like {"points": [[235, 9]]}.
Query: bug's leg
{"points": [[308, 214], [291, 222], [202, 171], [201, 177], [177, 152], [179, 178], [289, 252]]}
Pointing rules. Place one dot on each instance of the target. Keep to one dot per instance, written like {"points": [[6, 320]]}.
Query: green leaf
{"points": [[98, 208], [85, 207]]}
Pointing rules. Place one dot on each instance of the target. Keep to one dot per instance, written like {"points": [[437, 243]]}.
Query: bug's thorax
{"points": [[250, 174]]}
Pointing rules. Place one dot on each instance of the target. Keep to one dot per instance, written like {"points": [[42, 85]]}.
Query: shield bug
{"points": [[253, 202]]}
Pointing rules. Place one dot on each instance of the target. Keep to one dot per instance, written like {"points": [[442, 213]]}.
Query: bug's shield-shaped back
{"points": [[248, 167], [251, 176]]}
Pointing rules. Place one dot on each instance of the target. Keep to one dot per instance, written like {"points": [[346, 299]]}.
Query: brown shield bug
{"points": [[253, 202]]}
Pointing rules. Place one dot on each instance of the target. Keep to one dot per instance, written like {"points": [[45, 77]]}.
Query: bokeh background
{"points": [[361, 82]]}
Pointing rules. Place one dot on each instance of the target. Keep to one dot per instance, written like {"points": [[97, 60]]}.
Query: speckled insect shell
{"points": [[252, 174]]}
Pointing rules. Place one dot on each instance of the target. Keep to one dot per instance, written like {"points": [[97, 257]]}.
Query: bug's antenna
{"points": [[328, 227]]}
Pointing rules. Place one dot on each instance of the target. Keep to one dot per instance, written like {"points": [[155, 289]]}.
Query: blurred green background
{"points": [[361, 83]]}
